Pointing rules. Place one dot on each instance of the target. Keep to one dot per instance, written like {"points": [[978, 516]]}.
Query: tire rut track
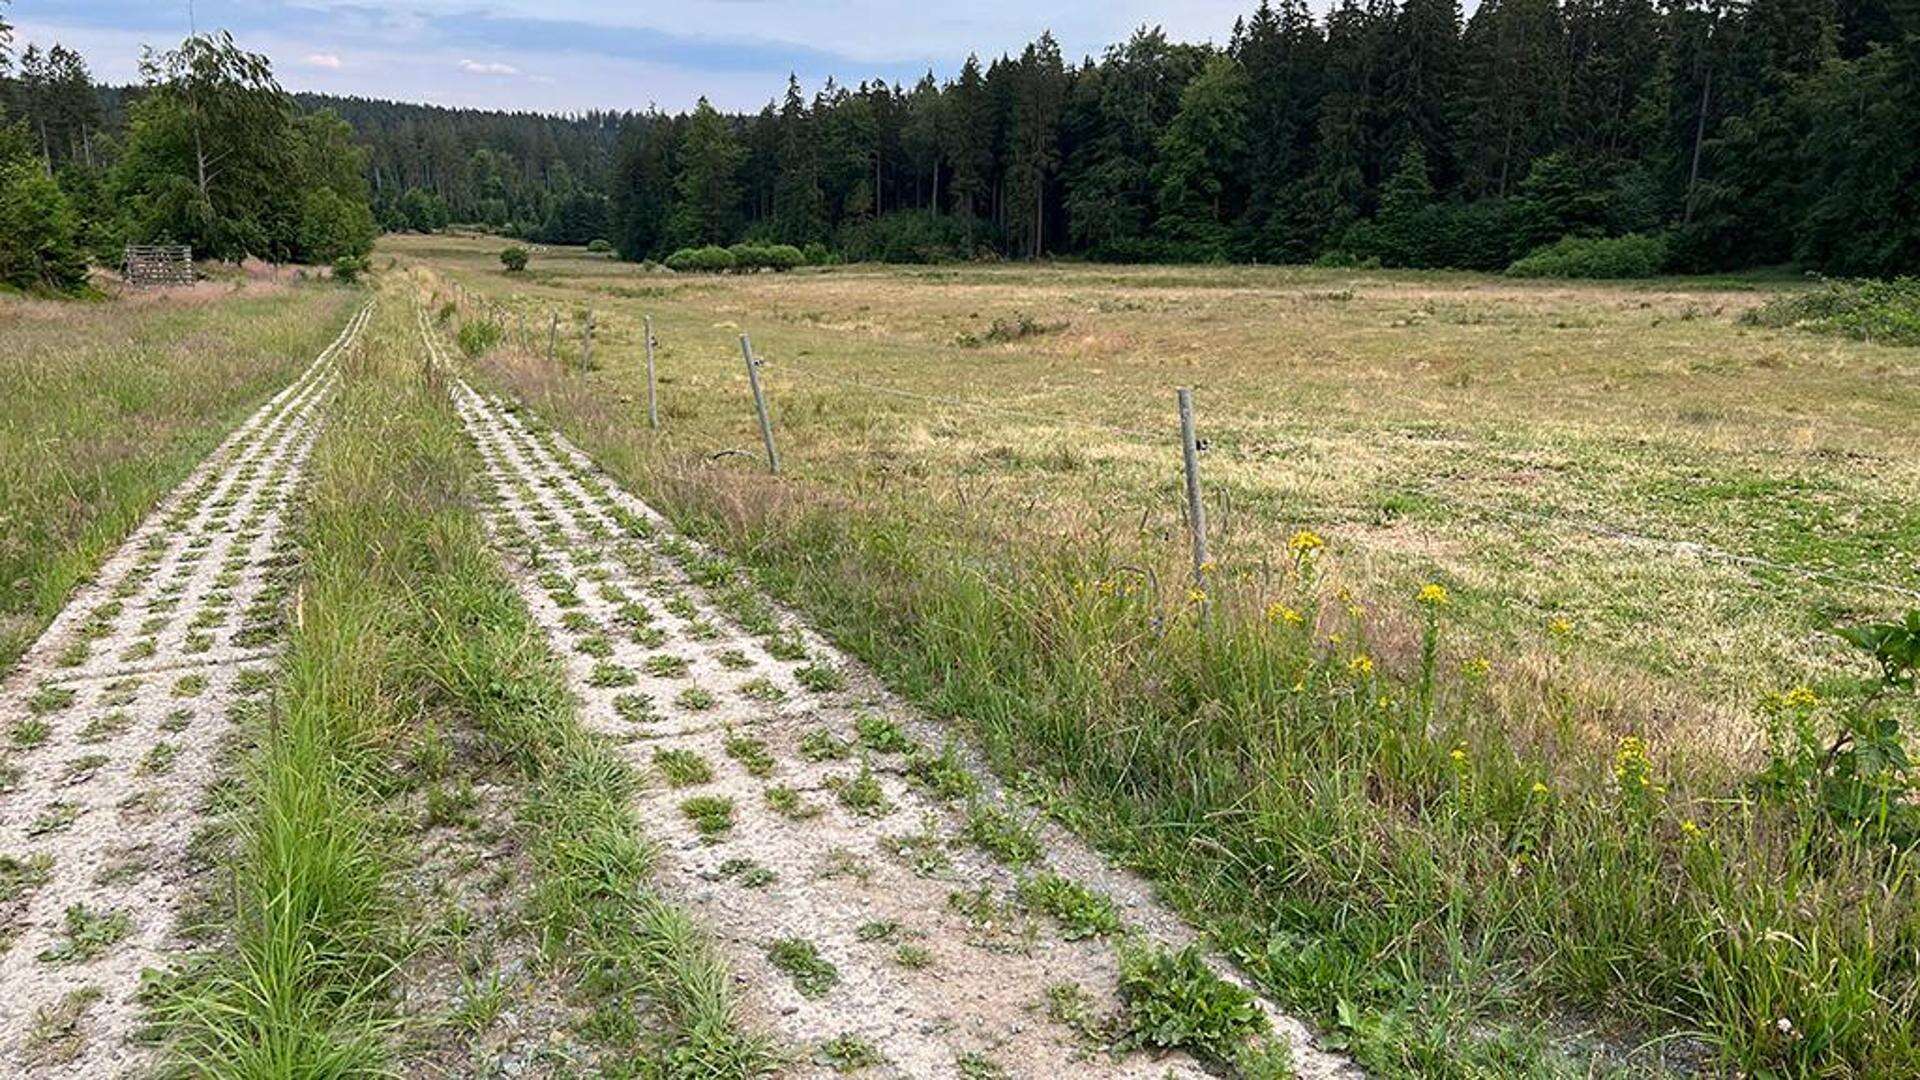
{"points": [[115, 722]]}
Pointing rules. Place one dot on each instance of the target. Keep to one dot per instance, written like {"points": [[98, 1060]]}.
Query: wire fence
{"points": [[1755, 566]]}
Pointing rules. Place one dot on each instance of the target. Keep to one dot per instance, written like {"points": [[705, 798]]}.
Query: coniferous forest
{"points": [[1680, 135]]}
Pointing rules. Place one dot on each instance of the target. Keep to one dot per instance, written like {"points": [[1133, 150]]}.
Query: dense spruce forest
{"points": [[1610, 137]]}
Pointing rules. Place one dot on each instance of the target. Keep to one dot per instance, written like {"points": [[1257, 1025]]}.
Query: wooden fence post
{"points": [[586, 343], [653, 389], [760, 404], [1196, 509], [553, 335]]}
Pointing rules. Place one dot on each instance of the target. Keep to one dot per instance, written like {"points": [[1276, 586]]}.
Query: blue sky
{"points": [[568, 56]]}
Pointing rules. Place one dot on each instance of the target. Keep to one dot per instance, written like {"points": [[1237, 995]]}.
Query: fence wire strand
{"points": [[1599, 529]]}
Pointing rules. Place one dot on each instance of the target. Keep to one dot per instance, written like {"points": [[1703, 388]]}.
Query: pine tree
{"points": [[1282, 53], [1034, 145], [1423, 72], [921, 141], [969, 142], [643, 187], [1513, 85], [706, 189], [1200, 173], [799, 204]]}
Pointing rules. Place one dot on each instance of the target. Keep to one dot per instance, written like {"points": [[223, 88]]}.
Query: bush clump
{"points": [[1175, 1001], [709, 260], [348, 268], [1884, 311], [514, 258], [477, 337], [913, 236], [599, 247], [1629, 256], [766, 257]]}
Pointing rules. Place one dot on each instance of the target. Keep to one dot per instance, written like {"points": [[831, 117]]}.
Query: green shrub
{"points": [[333, 225], [514, 258], [782, 256], [912, 236], [599, 247], [1883, 311], [39, 248], [708, 260], [477, 337], [348, 268], [766, 256], [1630, 256], [819, 254], [1342, 259]]}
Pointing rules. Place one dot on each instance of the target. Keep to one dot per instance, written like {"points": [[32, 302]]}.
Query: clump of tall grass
{"points": [[477, 336]]}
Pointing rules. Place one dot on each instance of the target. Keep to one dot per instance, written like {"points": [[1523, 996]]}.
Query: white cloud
{"points": [[330, 61], [476, 67]]}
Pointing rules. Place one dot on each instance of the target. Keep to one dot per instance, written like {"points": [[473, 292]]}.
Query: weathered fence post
{"points": [[653, 389], [760, 404], [586, 343], [1196, 509], [553, 335]]}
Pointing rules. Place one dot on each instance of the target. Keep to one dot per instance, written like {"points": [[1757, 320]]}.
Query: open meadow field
{"points": [[1496, 737], [1617, 479]]}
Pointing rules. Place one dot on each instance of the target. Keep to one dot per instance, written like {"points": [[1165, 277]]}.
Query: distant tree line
{"points": [[208, 151], [1725, 134], [1704, 134]]}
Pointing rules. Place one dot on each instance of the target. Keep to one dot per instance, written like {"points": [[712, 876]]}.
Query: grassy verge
{"points": [[1456, 874], [406, 623], [108, 405]]}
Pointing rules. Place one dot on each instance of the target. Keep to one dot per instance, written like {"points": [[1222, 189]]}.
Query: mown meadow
{"points": [[1510, 735]]}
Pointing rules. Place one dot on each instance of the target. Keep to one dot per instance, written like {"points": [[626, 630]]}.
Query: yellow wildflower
{"points": [[1801, 697], [1689, 828], [1434, 595], [1197, 596], [1361, 665], [1540, 788], [1632, 767], [1560, 627], [1305, 542], [1458, 755], [1277, 612], [1477, 667]]}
